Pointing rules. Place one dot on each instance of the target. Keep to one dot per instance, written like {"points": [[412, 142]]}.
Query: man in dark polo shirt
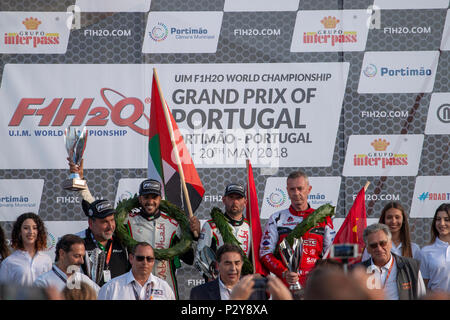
{"points": [[102, 244]]}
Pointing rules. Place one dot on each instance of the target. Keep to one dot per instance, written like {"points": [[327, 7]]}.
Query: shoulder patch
{"points": [[172, 221]]}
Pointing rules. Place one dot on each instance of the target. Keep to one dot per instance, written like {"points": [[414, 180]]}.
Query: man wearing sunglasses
{"points": [[139, 283], [399, 277]]}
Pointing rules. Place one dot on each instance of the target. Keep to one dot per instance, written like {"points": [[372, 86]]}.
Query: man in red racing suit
{"points": [[315, 242]]}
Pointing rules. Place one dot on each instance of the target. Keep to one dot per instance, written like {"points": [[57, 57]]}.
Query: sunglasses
{"points": [[142, 258], [382, 244]]}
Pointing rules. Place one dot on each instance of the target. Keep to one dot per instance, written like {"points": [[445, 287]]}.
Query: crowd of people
{"points": [[97, 264]]}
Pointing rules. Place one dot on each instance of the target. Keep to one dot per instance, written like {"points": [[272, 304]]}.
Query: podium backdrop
{"points": [[348, 91]]}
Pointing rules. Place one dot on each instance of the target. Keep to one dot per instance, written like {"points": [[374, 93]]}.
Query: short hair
{"points": [[143, 244], [298, 174], [434, 232], [16, 238], [228, 247], [66, 242], [375, 228], [85, 292]]}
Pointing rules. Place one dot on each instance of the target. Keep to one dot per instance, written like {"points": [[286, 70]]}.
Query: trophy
{"points": [[291, 257], [205, 262], [75, 144], [95, 262]]}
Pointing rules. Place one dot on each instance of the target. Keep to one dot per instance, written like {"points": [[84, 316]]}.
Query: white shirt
{"points": [[58, 279], [224, 291], [435, 265], [397, 250], [19, 268], [125, 286], [388, 279]]}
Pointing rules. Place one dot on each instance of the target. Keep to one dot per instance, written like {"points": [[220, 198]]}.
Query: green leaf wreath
{"points": [[319, 215], [227, 235], [122, 211]]}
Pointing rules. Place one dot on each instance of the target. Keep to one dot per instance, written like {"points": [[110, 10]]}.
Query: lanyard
{"points": [[59, 275], [147, 292], [108, 256], [389, 272]]}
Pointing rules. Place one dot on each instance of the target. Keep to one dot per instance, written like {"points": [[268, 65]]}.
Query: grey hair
{"points": [[298, 174], [375, 228]]}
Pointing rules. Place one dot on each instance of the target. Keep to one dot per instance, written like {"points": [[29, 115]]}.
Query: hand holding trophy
{"points": [[291, 257], [75, 141]]}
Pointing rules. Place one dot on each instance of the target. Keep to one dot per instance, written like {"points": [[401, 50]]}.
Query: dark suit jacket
{"points": [[207, 291], [211, 291]]}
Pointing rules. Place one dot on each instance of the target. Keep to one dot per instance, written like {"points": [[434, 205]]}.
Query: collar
{"points": [[441, 243], [130, 278], [58, 271], [303, 213], [148, 217], [223, 286], [387, 266], [233, 222]]}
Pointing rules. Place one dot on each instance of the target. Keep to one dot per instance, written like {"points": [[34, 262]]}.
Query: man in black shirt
{"points": [[102, 244]]}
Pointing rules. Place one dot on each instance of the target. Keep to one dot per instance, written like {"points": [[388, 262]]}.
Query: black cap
{"points": [[150, 186], [98, 209], [235, 188]]}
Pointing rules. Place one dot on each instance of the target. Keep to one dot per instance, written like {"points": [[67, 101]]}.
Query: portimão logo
{"points": [[277, 198], [159, 32], [370, 71]]}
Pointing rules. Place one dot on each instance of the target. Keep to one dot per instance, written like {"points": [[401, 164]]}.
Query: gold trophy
{"points": [[75, 141]]}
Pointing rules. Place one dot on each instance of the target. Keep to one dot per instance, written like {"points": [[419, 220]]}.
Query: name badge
{"points": [[106, 275]]}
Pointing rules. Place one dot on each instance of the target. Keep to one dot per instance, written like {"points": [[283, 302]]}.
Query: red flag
{"points": [[162, 163], [354, 224], [255, 222]]}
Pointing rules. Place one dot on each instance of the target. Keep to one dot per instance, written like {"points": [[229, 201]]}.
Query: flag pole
{"points": [[249, 218], [174, 146]]}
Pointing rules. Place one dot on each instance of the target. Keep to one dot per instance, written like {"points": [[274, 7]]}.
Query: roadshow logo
{"points": [[182, 32], [336, 30], [398, 72], [377, 155], [429, 193], [34, 32]]}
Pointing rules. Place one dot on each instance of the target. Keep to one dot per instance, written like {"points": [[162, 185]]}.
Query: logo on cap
{"points": [[103, 206]]}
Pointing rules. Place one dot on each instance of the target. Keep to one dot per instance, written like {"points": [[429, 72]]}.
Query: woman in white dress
{"points": [[435, 262], [28, 261]]}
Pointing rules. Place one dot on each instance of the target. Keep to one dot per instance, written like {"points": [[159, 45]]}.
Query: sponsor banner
{"points": [[34, 32], [429, 193], [261, 5], [438, 120], [330, 30], [398, 72], [57, 229], [337, 222], [18, 196], [127, 188], [113, 5], [324, 190], [383, 155], [182, 32], [226, 113], [110, 100], [272, 114], [445, 43], [411, 4]]}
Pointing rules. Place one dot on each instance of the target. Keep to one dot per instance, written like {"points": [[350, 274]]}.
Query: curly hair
{"points": [[4, 250], [405, 236], [16, 238]]}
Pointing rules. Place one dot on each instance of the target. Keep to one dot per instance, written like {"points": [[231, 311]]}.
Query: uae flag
{"points": [[255, 222], [165, 162]]}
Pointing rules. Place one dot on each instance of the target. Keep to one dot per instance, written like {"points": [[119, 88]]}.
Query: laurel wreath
{"points": [[122, 211], [227, 235], [319, 215]]}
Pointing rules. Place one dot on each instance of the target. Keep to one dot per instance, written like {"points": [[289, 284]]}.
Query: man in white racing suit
{"points": [[235, 201]]}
